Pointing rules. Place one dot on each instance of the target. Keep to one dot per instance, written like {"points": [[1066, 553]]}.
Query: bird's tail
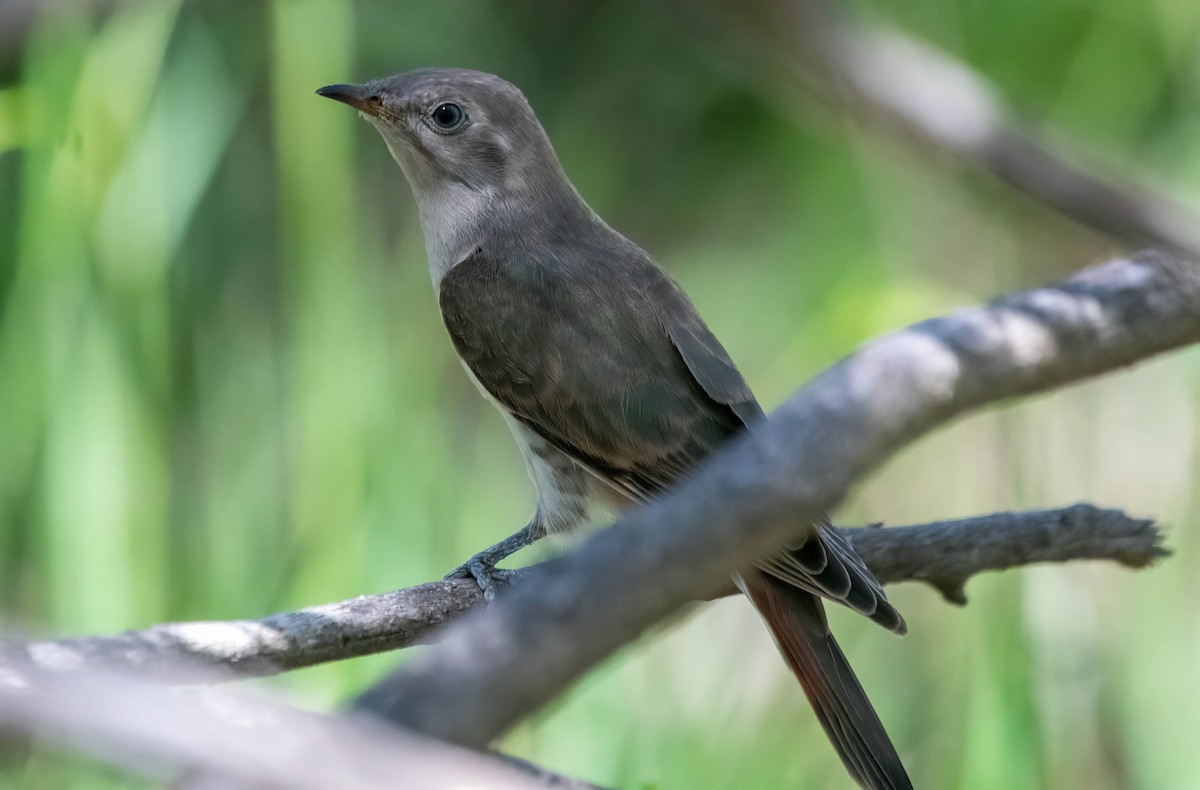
{"points": [[797, 621]]}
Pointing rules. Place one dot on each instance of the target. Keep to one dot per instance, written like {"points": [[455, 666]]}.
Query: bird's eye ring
{"points": [[448, 116]]}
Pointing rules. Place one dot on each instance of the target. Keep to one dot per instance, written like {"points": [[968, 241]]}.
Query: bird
{"points": [[612, 385]]}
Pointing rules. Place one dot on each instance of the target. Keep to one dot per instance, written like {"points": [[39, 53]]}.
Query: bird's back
{"points": [[598, 376]]}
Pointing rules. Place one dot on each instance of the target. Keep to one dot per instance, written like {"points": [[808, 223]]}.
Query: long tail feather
{"points": [[797, 621]]}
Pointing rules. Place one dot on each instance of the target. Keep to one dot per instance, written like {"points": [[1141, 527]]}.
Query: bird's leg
{"points": [[482, 567]]}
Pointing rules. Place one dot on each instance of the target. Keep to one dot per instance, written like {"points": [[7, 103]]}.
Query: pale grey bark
{"points": [[493, 668], [201, 651], [944, 554], [229, 740]]}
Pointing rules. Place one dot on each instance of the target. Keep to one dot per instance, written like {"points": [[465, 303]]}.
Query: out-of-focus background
{"points": [[225, 389]]}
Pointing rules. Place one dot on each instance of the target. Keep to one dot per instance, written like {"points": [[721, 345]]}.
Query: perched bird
{"points": [[613, 386]]}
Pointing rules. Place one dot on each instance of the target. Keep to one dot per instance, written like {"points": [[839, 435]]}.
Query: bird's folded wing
{"points": [[622, 375]]}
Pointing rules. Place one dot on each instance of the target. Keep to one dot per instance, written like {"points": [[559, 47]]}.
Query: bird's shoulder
{"points": [[607, 359], [609, 298]]}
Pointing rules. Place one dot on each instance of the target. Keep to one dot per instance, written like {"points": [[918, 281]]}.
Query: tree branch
{"points": [[914, 91], [236, 741], [944, 554], [200, 651], [494, 667]]}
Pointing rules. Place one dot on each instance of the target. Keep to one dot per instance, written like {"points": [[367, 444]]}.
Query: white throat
{"points": [[452, 219], [452, 214]]}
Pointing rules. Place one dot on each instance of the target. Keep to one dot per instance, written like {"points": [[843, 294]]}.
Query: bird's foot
{"points": [[482, 568]]}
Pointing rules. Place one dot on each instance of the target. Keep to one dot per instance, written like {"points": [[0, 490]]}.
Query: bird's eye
{"points": [[448, 116]]}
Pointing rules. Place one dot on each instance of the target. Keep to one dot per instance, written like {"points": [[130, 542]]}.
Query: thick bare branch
{"points": [[236, 741], [914, 91], [495, 667], [944, 554]]}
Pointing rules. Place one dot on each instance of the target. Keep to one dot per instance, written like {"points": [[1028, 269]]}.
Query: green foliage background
{"points": [[225, 390]]}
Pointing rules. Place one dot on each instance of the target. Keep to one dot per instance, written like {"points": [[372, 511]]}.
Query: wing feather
{"points": [[635, 388]]}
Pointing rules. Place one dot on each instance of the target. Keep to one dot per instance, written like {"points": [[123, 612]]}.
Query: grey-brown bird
{"points": [[613, 386]]}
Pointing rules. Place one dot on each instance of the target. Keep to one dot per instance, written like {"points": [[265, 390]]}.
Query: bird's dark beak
{"points": [[354, 95]]}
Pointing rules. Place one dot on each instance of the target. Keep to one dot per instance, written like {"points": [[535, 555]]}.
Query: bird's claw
{"points": [[485, 573]]}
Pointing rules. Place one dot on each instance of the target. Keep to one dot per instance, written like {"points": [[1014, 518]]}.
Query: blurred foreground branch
{"points": [[912, 90], [494, 667], [944, 554], [18, 19], [236, 741]]}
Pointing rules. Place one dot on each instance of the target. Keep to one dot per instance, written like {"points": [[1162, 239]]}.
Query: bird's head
{"points": [[454, 126]]}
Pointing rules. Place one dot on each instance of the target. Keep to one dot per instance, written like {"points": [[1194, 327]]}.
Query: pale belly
{"points": [[569, 495]]}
